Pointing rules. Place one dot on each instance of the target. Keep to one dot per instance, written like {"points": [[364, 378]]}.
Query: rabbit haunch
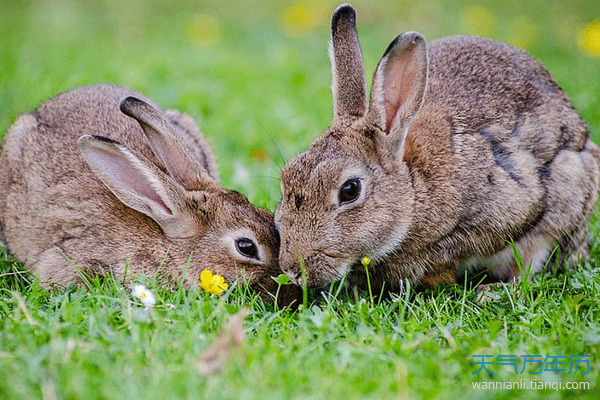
{"points": [[99, 177], [466, 145]]}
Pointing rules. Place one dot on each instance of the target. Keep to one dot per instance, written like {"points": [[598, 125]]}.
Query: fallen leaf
{"points": [[214, 358]]}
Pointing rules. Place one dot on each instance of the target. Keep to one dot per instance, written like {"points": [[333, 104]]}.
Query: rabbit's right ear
{"points": [[349, 85], [166, 145], [139, 185], [398, 88]]}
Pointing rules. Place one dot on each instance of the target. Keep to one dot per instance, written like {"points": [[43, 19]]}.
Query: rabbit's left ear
{"points": [[139, 185], [398, 88]]}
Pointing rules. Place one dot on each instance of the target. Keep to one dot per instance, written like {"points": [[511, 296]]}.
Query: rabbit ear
{"points": [[399, 86], [166, 145], [138, 185], [349, 85]]}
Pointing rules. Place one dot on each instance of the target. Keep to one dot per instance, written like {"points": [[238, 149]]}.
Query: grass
{"points": [[258, 85]]}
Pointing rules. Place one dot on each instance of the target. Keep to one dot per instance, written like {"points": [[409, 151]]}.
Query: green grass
{"points": [[255, 91]]}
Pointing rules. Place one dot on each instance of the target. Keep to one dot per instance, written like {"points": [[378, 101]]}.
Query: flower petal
{"points": [[206, 275], [217, 290], [138, 289], [218, 280]]}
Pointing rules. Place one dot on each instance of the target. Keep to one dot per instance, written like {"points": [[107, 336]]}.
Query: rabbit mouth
{"points": [[321, 268], [332, 267]]}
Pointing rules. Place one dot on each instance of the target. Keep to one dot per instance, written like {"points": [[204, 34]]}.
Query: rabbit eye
{"points": [[350, 191], [247, 248]]}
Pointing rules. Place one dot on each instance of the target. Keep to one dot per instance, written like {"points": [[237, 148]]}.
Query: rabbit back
{"points": [[511, 146], [54, 205]]}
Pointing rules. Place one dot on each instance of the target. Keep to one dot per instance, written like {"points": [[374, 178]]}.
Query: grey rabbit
{"points": [[99, 177], [465, 145]]}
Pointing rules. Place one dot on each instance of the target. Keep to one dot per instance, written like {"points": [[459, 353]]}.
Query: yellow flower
{"points": [[589, 39], [477, 20], [303, 17], [212, 283], [366, 261], [203, 30]]}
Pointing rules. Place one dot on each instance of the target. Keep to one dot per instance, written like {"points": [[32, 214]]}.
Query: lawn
{"points": [[256, 77]]}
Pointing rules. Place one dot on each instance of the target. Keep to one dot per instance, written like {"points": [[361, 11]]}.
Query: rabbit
{"points": [[466, 147], [98, 179]]}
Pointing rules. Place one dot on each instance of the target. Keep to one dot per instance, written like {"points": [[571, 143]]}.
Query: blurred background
{"points": [[255, 74]]}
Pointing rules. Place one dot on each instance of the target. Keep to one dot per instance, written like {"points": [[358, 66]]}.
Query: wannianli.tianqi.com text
{"points": [[524, 384]]}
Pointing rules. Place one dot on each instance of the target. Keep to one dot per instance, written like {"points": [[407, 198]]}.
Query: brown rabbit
{"points": [[98, 177], [465, 145]]}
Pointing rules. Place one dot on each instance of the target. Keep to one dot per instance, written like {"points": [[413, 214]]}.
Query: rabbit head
{"points": [[333, 212], [217, 229]]}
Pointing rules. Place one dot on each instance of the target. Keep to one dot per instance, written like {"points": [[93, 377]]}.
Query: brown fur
{"points": [[467, 144], [60, 215]]}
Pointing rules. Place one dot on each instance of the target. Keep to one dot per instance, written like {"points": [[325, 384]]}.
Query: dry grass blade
{"points": [[214, 358], [23, 308]]}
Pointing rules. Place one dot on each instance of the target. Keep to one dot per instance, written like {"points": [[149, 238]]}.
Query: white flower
{"points": [[144, 294]]}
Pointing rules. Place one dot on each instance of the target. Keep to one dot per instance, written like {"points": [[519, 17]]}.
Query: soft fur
{"points": [[465, 146], [99, 178]]}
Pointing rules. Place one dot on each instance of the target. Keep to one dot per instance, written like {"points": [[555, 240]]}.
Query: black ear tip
{"points": [[346, 12], [96, 138], [127, 103], [405, 40], [345, 8], [413, 37], [104, 139], [90, 140], [392, 45]]}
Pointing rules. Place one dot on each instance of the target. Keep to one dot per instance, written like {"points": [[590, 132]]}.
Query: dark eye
{"points": [[349, 191], [247, 248]]}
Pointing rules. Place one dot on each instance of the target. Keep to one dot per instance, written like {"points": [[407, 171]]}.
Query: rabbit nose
{"points": [[293, 271], [295, 277], [289, 265]]}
